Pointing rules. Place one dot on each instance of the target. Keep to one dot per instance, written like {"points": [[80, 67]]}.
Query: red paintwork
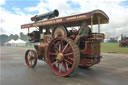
{"points": [[90, 45]]}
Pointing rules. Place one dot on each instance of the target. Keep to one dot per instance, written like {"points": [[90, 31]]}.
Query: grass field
{"points": [[105, 48], [113, 48]]}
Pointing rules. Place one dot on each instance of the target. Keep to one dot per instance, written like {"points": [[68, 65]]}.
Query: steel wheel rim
{"points": [[61, 57]]}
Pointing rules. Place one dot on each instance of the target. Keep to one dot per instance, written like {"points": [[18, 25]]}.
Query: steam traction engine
{"points": [[124, 41], [54, 41]]}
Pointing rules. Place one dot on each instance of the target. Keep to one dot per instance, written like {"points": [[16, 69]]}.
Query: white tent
{"points": [[119, 39], [106, 40], [20, 41], [11, 41]]}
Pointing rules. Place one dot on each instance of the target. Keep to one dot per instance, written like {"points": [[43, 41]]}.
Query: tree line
{"points": [[5, 38]]}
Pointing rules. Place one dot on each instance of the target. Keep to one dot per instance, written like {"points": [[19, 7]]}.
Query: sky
{"points": [[14, 13]]}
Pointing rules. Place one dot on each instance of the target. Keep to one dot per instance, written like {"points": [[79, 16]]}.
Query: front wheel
{"points": [[30, 58], [63, 56]]}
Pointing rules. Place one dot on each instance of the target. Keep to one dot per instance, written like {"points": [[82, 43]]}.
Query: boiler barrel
{"points": [[48, 15]]}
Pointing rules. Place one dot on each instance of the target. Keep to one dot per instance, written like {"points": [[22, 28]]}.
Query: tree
{"points": [[23, 36], [10, 37], [3, 39], [15, 37]]}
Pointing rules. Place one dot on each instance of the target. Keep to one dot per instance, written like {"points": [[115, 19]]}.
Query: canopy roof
{"points": [[74, 20]]}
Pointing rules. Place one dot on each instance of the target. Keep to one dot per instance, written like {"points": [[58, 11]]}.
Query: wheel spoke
{"points": [[54, 63], [68, 54], [31, 62], [33, 55], [65, 47], [70, 58], [52, 53], [56, 48], [66, 66], [59, 47], [60, 66], [29, 53], [56, 51], [54, 58], [61, 44], [28, 57], [68, 61]]}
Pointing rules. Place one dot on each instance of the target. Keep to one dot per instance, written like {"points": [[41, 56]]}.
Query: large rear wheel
{"points": [[63, 56]]}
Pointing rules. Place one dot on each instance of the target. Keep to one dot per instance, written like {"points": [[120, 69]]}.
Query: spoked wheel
{"points": [[30, 58], [63, 56]]}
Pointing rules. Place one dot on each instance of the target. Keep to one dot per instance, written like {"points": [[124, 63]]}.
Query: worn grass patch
{"points": [[113, 48]]}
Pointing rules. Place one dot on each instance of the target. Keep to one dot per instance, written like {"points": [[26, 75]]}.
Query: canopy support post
{"points": [[91, 23], [28, 30], [98, 24]]}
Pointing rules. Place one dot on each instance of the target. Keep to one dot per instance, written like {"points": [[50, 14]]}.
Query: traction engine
{"points": [[54, 41]]}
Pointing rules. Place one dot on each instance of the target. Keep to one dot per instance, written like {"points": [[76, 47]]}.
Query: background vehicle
{"points": [[54, 42], [124, 41]]}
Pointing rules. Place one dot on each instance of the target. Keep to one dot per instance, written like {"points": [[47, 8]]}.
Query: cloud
{"points": [[2, 2], [41, 8], [49, 5], [10, 23], [117, 14], [113, 8]]}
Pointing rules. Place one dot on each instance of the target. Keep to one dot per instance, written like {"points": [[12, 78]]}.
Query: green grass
{"points": [[26, 46], [105, 48], [113, 48]]}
